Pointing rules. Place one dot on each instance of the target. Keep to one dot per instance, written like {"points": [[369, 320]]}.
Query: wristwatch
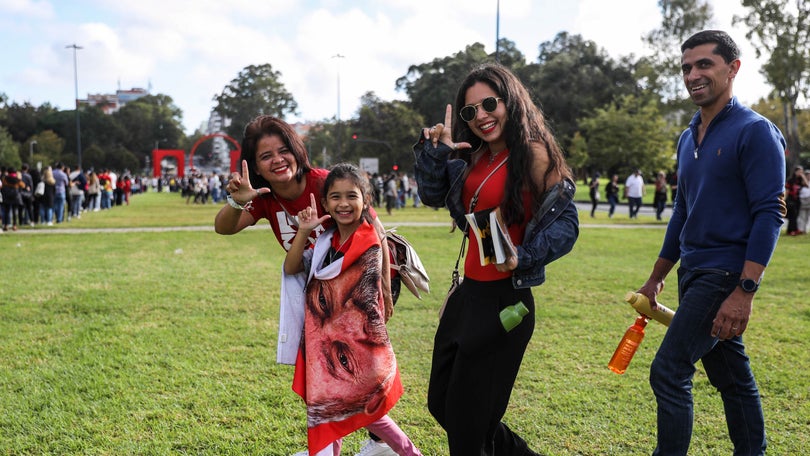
{"points": [[749, 285]]}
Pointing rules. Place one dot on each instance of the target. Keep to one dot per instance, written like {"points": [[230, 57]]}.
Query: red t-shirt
{"points": [[490, 196], [283, 223]]}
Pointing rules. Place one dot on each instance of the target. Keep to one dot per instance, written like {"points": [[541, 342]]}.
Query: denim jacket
{"points": [[550, 233]]}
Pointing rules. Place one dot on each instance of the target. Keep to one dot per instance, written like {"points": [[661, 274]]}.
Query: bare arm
{"points": [[655, 283], [230, 220], [307, 221]]}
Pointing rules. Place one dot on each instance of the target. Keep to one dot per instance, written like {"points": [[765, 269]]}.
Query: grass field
{"points": [[147, 342]]}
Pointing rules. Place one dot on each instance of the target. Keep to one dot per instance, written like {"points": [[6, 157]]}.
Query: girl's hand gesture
{"points": [[239, 186], [308, 218], [443, 132]]}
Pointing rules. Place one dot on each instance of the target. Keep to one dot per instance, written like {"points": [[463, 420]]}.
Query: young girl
{"points": [[275, 182], [346, 370]]}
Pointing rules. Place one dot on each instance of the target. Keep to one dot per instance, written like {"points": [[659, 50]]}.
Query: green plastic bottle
{"points": [[512, 316]]}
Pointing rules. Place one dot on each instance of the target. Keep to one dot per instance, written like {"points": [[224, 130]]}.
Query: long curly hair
{"points": [[525, 125]]}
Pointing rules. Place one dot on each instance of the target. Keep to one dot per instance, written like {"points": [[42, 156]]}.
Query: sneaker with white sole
{"points": [[372, 448]]}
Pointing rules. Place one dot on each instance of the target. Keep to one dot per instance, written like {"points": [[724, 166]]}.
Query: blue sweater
{"points": [[728, 208]]}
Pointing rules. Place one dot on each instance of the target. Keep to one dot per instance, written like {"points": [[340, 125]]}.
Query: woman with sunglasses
{"points": [[498, 153]]}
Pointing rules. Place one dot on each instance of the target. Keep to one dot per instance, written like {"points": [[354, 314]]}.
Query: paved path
{"points": [[583, 224], [584, 208]]}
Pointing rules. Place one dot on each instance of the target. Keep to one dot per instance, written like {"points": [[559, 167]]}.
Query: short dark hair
{"points": [[726, 47], [265, 125]]}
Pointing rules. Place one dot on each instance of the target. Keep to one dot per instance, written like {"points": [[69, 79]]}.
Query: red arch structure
{"points": [[178, 154], [235, 154]]}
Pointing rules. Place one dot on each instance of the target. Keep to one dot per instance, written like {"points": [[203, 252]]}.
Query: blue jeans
{"points": [[45, 214], [612, 200], [633, 204], [660, 205], [59, 207], [688, 340]]}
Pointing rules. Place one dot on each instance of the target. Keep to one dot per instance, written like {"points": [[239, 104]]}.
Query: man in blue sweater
{"points": [[725, 223]]}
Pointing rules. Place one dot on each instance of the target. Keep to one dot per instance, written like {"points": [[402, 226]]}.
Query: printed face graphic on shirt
{"points": [[350, 362], [288, 226]]}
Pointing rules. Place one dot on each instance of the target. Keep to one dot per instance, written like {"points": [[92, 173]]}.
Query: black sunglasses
{"points": [[467, 113]]}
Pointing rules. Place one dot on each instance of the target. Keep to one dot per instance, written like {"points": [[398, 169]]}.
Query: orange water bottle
{"points": [[628, 346]]}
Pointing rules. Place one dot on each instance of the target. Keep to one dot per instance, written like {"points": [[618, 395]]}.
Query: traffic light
{"points": [[395, 167], [354, 136]]}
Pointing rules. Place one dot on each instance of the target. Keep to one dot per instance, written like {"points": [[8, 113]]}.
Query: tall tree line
{"points": [[609, 114]]}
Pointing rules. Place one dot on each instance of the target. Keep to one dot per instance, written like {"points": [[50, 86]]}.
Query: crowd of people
{"points": [[797, 190], [633, 191], [198, 187], [493, 152], [393, 190], [56, 194]]}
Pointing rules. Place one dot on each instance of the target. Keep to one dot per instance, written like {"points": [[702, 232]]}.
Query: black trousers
{"points": [[475, 363]]}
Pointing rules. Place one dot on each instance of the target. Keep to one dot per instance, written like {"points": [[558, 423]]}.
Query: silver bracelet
{"points": [[236, 205]]}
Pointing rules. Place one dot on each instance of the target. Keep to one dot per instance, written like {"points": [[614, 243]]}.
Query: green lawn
{"points": [[119, 342]]}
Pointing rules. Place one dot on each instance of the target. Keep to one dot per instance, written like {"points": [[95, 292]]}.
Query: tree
{"points": [[509, 55], [94, 157], [97, 129], [432, 86], [773, 108], [578, 152], [9, 150], [24, 120], [120, 158], [150, 122], [49, 147], [255, 91], [680, 19], [63, 125], [386, 130], [574, 77], [782, 29], [321, 143], [627, 135]]}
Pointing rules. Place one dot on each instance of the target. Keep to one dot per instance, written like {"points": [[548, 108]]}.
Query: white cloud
{"points": [[190, 50], [27, 8]]}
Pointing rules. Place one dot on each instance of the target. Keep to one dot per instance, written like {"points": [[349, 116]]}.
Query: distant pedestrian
{"points": [[593, 192], [612, 194], [660, 196], [633, 191]]}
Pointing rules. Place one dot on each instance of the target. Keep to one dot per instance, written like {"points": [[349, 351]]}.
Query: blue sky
{"points": [[190, 50]]}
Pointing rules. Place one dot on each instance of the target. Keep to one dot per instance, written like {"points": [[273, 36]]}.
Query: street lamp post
{"points": [[498, 32], [31, 152], [76, 85], [338, 135]]}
